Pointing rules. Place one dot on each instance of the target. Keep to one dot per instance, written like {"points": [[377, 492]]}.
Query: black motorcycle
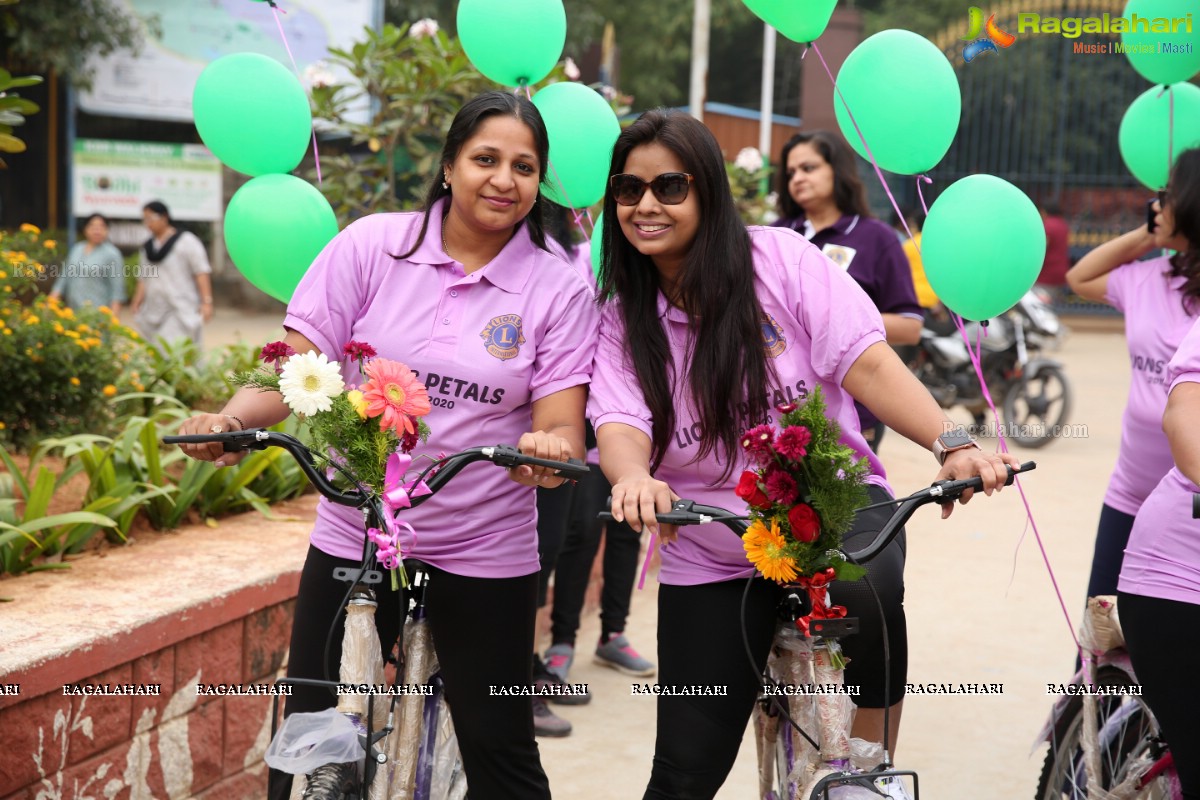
{"points": [[1035, 393]]}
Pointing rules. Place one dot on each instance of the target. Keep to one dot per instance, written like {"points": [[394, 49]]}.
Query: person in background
{"points": [[1158, 596], [912, 251], [1160, 298], [822, 198], [94, 271], [1058, 256], [174, 297]]}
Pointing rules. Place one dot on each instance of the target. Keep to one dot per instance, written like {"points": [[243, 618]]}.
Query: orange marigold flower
{"points": [[394, 394], [765, 549], [74, 381], [109, 391], [27, 228]]}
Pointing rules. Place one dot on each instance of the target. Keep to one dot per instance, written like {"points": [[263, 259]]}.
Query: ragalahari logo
{"points": [[994, 37]]}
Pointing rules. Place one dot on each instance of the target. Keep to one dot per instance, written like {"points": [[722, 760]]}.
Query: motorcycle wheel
{"points": [[1036, 407]]}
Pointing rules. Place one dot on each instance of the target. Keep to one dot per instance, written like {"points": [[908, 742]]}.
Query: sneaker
{"points": [[620, 655], [546, 722], [544, 675], [558, 660], [893, 787]]}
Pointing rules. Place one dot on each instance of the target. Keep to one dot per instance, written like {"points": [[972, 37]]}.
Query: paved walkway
{"points": [[981, 609]]}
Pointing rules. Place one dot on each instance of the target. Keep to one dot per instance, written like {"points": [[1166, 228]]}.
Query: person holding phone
{"points": [[1160, 298]]}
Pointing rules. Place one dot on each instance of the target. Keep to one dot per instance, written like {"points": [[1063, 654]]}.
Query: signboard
{"points": [[116, 178], [157, 83]]}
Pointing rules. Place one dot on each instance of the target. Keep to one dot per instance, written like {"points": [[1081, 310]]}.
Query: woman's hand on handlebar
{"points": [[636, 500], [210, 423], [540, 444], [969, 462]]}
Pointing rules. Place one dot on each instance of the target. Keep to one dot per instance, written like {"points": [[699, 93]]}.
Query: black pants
{"points": [[553, 508], [584, 531], [1111, 537], [1165, 650], [483, 635], [700, 643]]}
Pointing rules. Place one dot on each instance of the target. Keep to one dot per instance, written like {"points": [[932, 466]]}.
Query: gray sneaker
{"points": [[552, 672], [558, 660], [618, 654], [546, 722]]}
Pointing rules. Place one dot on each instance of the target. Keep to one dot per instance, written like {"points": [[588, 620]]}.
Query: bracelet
{"points": [[238, 420]]}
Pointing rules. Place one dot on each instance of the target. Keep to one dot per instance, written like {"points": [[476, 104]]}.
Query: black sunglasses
{"points": [[670, 188]]}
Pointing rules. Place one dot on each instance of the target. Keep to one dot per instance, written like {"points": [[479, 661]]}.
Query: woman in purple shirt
{"points": [[426, 289], [710, 326], [821, 197], [1159, 587], [1160, 298]]}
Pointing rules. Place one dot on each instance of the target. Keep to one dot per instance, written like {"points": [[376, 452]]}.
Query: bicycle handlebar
{"points": [[688, 512], [448, 467]]}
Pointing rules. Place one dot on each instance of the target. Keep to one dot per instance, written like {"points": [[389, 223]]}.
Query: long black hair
{"points": [[466, 123], [728, 373], [849, 194], [1184, 199]]}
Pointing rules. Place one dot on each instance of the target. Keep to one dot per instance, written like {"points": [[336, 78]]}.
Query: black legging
{"points": [[1111, 537], [574, 568], [553, 508], [483, 635], [1165, 650], [700, 644]]}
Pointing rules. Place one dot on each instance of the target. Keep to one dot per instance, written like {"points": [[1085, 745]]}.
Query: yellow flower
{"points": [[49, 244], [68, 313], [2, 426], [32, 320], [27, 228], [58, 328], [8, 288], [74, 381], [3, 274], [109, 391], [84, 329], [124, 356], [8, 331], [139, 387], [105, 310], [765, 549], [72, 334], [357, 402]]}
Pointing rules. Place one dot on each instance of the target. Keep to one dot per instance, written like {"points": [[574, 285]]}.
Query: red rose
{"points": [[748, 490], [806, 526]]}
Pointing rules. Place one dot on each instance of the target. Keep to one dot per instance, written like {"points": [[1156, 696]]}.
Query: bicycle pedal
{"points": [[833, 628]]}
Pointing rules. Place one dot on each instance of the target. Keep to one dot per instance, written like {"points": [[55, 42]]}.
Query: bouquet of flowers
{"points": [[363, 433], [802, 493]]}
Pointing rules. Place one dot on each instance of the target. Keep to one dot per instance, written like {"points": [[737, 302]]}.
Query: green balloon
{"points": [[583, 130], [274, 227], [252, 114], [983, 245], [1143, 138], [908, 130], [513, 42], [597, 248], [1169, 57], [799, 20]]}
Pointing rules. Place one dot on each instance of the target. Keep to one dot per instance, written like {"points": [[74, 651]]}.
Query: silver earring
{"points": [[445, 185]]}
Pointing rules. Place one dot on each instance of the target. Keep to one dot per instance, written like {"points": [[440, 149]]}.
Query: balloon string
{"points": [[922, 179], [276, 10], [976, 355], [587, 231]]}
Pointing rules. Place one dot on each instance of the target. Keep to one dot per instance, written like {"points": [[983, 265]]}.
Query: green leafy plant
{"points": [[13, 110]]}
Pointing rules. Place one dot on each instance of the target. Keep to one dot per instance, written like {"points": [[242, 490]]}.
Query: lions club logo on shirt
{"points": [[773, 341], [502, 336]]}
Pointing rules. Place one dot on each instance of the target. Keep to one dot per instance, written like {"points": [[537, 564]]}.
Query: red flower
{"points": [[359, 351], [757, 443], [781, 488], [793, 442], [276, 352], [748, 490], [806, 525], [785, 408]]}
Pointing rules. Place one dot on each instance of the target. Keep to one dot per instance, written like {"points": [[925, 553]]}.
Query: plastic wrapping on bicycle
{"points": [[446, 468], [687, 512]]}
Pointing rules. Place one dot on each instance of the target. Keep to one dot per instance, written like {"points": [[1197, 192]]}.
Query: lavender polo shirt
{"points": [[817, 323], [1155, 324], [871, 253], [1162, 558], [486, 345]]}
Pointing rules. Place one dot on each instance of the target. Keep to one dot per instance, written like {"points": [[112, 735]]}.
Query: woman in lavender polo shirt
{"points": [[711, 325], [1160, 298], [1159, 587], [428, 289], [821, 197]]}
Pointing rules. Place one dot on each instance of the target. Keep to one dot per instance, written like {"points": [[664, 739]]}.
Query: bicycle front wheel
{"points": [[1127, 743]]}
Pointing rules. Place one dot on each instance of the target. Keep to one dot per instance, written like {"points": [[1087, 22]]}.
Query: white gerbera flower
{"points": [[423, 27], [749, 159], [309, 382]]}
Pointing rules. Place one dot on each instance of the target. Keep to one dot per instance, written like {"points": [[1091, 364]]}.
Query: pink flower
{"points": [[359, 351], [793, 441], [757, 443], [394, 394], [781, 488], [276, 352]]}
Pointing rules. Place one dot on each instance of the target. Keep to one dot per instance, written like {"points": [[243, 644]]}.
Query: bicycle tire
{"points": [[1037, 410], [1129, 731]]}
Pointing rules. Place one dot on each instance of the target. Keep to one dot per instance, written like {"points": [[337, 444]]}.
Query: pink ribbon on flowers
{"points": [[397, 495]]}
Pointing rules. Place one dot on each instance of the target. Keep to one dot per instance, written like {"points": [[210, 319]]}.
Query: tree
{"points": [[61, 36]]}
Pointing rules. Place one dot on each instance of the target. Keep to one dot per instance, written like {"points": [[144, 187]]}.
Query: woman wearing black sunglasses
{"points": [[709, 325]]}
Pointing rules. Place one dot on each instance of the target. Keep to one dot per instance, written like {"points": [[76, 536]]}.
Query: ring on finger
{"points": [[216, 429]]}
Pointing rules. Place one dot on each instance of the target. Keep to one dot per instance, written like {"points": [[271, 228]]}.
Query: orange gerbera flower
{"points": [[394, 394], [765, 549]]}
